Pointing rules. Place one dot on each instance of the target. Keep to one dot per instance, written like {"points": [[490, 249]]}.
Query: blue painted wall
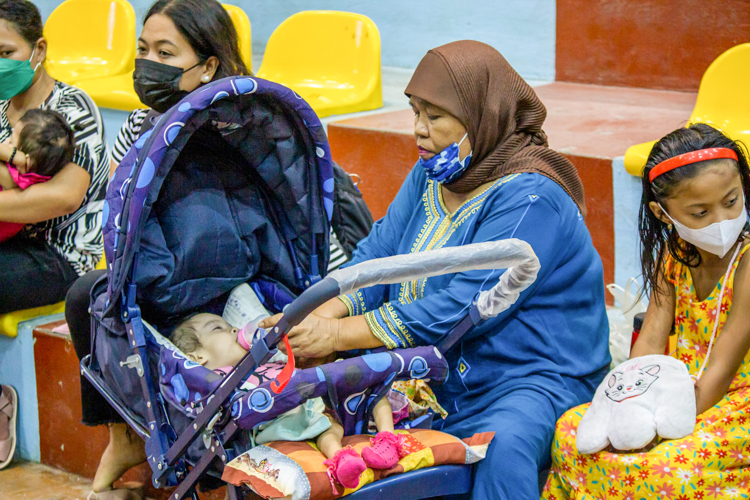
{"points": [[627, 191], [17, 369], [522, 30]]}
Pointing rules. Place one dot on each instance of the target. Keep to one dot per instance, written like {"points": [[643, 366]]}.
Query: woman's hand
{"points": [[315, 337]]}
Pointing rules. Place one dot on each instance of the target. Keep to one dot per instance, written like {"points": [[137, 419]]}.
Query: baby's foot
{"points": [[385, 451], [345, 467]]}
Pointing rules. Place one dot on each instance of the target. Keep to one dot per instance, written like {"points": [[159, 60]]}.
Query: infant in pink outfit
{"points": [[41, 144]]}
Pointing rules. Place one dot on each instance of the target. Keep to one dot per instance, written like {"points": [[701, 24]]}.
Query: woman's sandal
{"points": [[385, 452], [129, 491], [345, 467], [9, 411]]}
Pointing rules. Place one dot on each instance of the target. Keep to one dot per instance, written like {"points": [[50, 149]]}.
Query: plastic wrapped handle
{"points": [[516, 256]]}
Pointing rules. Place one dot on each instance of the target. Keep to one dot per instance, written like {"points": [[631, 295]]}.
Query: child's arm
{"points": [[6, 181], [731, 345], [658, 322]]}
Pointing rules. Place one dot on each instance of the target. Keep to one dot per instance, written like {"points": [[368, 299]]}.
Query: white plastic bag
{"points": [[621, 318]]}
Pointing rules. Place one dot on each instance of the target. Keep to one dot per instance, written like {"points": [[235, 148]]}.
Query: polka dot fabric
{"points": [[141, 173], [351, 386]]}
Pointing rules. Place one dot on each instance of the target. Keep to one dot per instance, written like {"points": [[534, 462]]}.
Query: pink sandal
{"points": [[8, 413], [385, 452], [345, 467]]}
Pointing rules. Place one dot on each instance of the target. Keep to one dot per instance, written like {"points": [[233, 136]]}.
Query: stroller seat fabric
{"points": [[351, 386]]}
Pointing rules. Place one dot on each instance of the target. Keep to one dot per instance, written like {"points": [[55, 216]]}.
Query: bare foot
{"points": [[124, 451]]}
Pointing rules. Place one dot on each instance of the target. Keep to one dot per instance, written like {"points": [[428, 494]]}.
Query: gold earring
{"points": [[669, 226]]}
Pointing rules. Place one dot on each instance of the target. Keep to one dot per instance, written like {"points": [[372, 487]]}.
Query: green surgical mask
{"points": [[15, 77]]}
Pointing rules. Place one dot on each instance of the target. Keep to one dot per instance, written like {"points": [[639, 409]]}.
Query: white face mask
{"points": [[32, 57], [717, 238]]}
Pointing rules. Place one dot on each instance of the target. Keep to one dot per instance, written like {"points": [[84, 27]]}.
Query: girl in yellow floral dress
{"points": [[696, 195]]}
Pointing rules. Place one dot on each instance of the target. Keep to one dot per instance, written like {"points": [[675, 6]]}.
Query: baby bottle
{"points": [[245, 335]]}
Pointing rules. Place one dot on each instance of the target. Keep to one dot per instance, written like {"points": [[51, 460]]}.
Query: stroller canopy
{"points": [[233, 183]]}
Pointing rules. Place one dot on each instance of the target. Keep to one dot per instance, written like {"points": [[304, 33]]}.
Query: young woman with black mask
{"points": [[184, 44]]}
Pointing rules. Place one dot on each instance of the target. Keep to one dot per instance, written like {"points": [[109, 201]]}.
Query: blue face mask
{"points": [[445, 166]]}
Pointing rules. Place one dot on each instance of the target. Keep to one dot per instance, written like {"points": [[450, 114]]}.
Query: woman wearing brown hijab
{"points": [[485, 173]]}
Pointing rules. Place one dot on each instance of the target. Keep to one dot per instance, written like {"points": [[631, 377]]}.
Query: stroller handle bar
{"points": [[515, 256]]}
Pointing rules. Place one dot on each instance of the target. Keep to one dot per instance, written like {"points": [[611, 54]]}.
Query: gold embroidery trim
{"points": [[378, 331], [354, 308], [348, 303], [395, 321], [429, 240]]}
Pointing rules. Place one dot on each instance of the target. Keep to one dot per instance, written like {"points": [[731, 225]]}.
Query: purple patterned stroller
{"points": [[233, 185]]}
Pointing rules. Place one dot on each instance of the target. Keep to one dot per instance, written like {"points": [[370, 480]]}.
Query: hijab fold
{"points": [[501, 112]]}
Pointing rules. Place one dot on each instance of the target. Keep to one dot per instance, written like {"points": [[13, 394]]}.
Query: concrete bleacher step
{"points": [[590, 124]]}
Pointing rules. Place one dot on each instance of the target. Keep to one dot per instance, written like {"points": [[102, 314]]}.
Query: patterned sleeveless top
{"points": [[694, 319]]}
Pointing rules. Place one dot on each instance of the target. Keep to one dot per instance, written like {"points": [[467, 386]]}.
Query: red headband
{"points": [[691, 157]]}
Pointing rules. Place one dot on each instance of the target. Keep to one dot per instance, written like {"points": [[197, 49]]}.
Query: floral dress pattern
{"points": [[712, 463]]}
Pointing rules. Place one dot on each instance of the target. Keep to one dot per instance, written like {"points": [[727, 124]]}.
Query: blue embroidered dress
{"points": [[553, 343]]}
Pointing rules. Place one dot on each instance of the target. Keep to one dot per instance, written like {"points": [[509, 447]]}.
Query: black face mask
{"points": [[158, 85]]}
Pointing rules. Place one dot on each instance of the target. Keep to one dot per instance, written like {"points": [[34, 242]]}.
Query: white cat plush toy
{"points": [[638, 399]]}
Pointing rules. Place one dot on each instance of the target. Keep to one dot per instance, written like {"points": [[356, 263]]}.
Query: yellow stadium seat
{"points": [[9, 321], [724, 95], [244, 33], [636, 157], [331, 59], [116, 92], [723, 102], [90, 39]]}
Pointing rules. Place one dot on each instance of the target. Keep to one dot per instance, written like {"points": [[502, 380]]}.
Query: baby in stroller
{"points": [[209, 340]]}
